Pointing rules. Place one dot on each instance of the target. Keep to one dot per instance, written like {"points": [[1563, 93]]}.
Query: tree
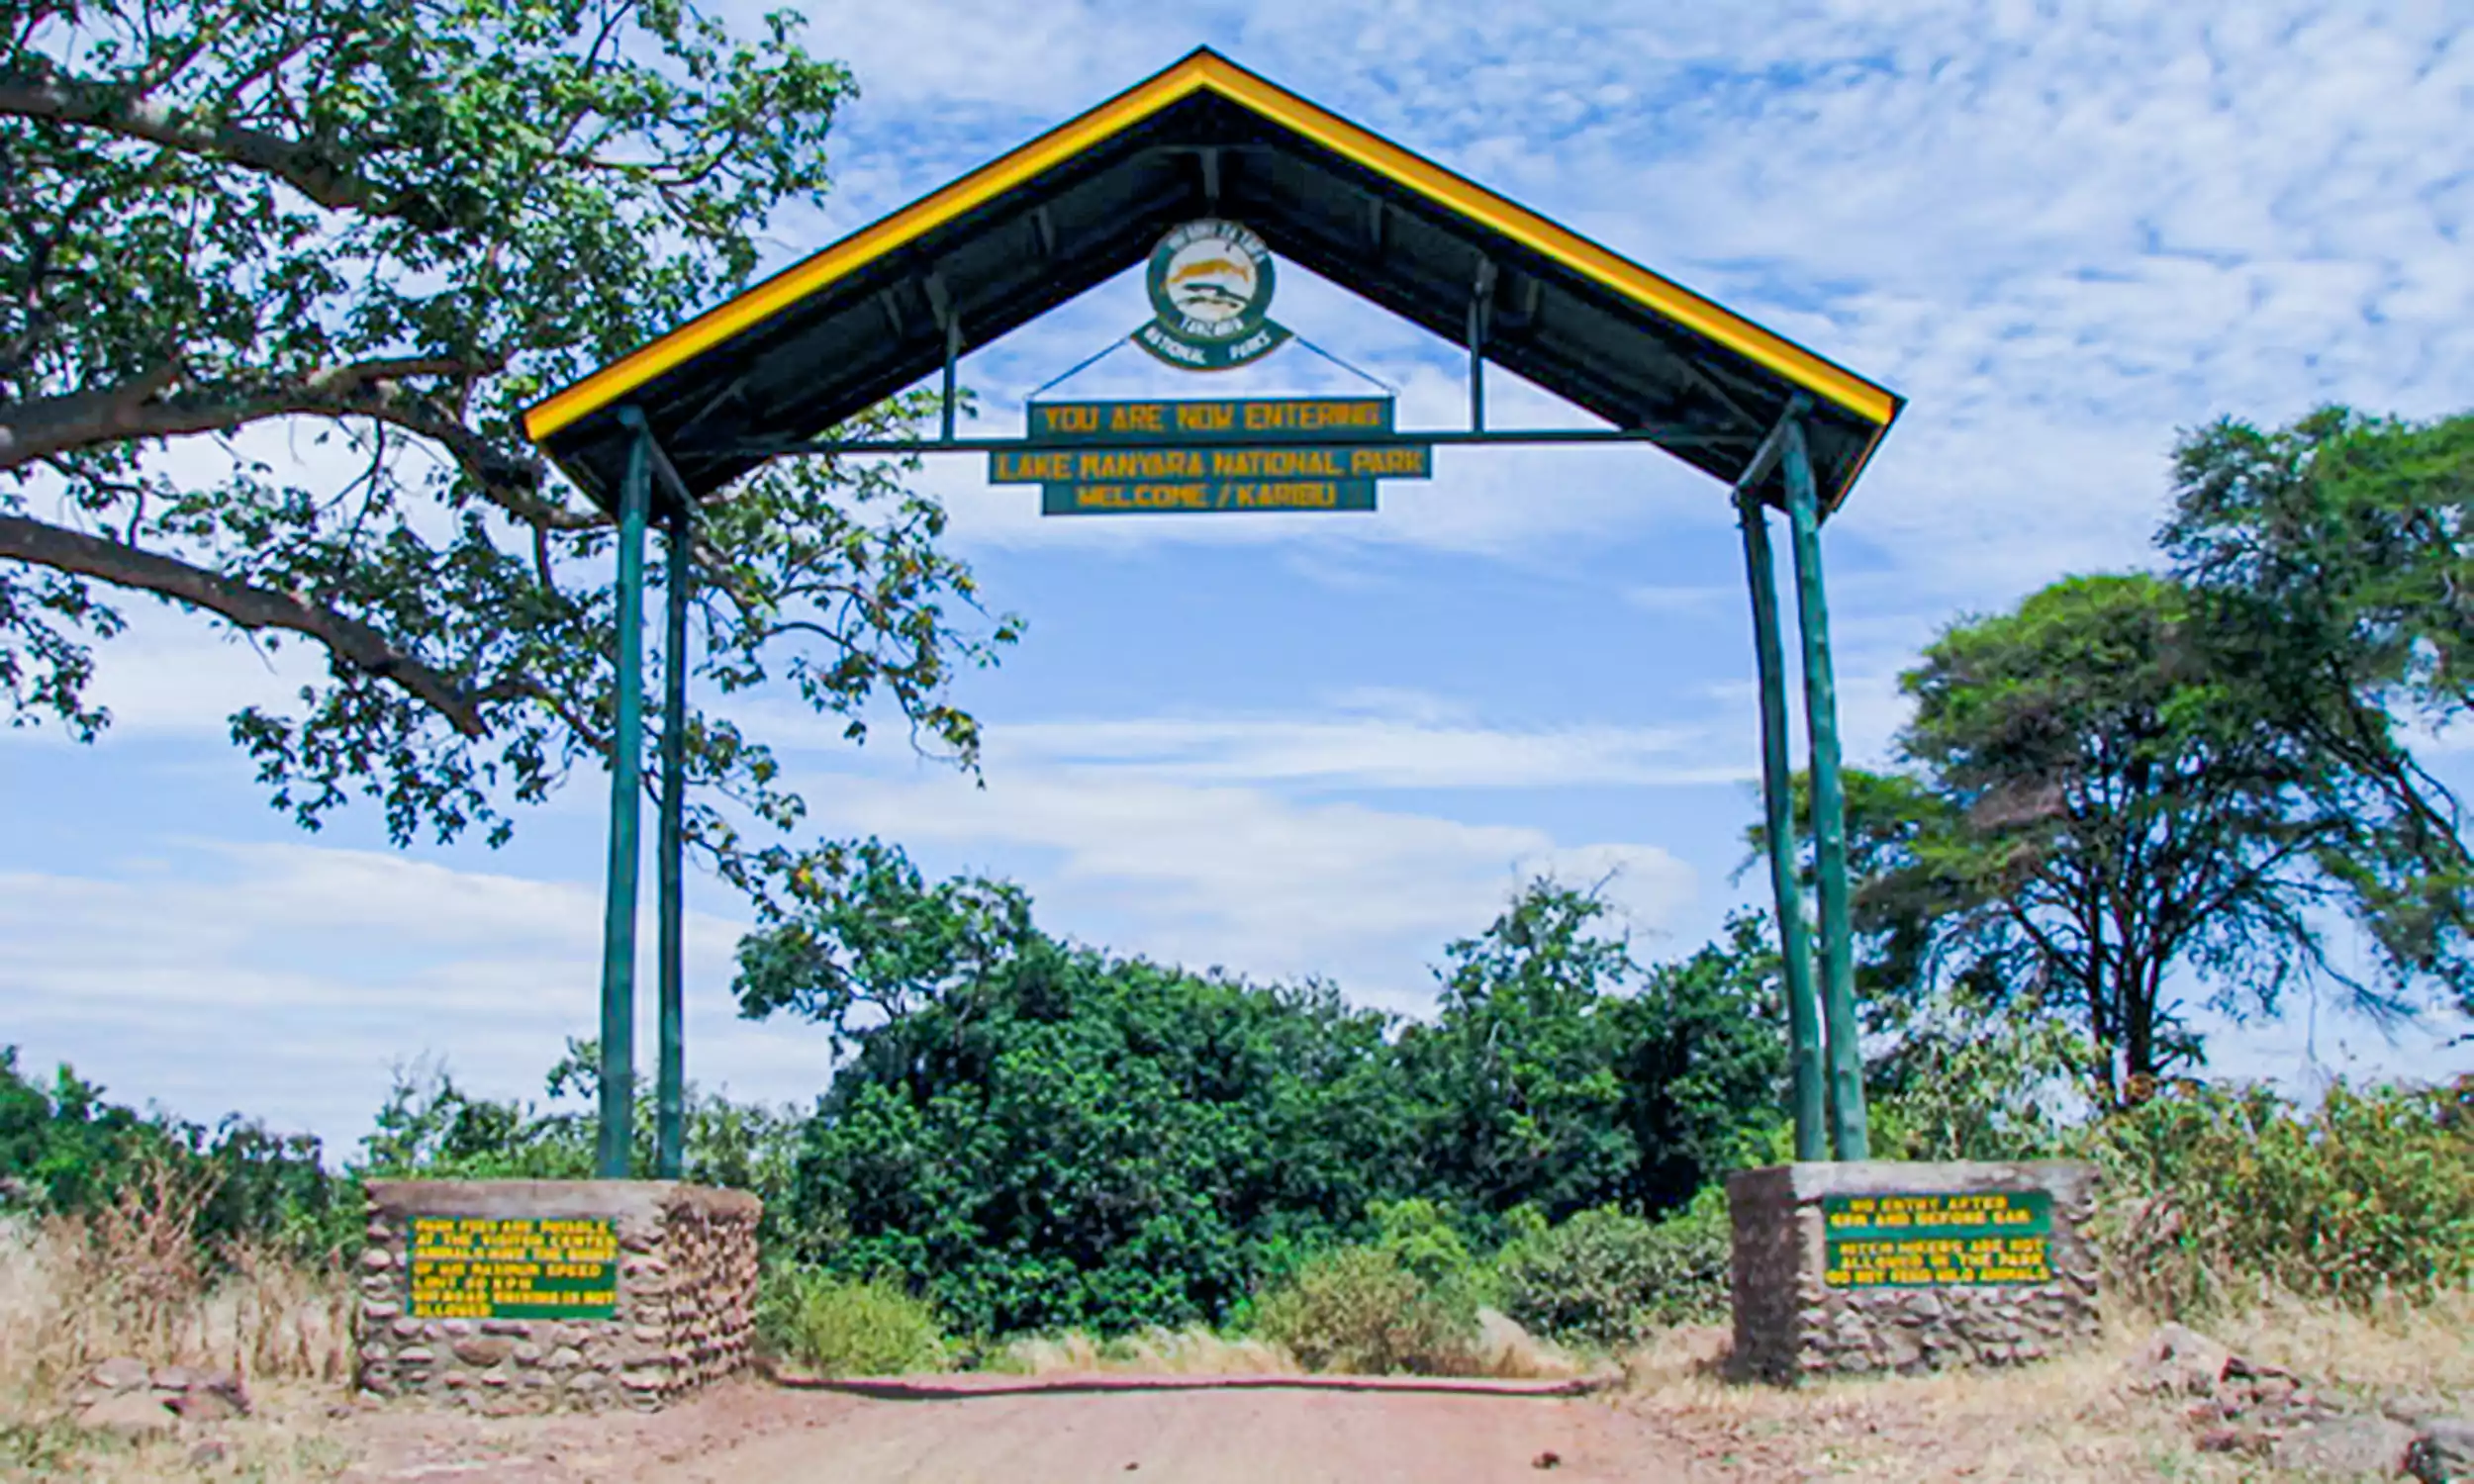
{"points": [[2334, 561], [1518, 1078], [1701, 1048], [1041, 1134], [1038, 1134], [871, 940], [389, 226], [2099, 806]]}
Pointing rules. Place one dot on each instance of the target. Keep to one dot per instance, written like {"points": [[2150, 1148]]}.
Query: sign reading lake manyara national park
{"points": [[1301, 453], [1978, 1239], [1210, 285]]}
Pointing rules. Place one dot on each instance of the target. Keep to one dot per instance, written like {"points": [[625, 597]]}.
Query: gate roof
{"points": [[835, 333]]}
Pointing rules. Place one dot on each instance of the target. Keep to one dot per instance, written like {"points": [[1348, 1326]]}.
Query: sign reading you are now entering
{"points": [[1105, 458]]}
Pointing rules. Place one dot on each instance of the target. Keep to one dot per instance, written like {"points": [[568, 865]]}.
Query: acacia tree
{"points": [[393, 224], [2099, 806], [2336, 558]]}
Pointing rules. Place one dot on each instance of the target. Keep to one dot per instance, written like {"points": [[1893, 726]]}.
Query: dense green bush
{"points": [[1605, 1279], [2212, 1190], [1096, 1144], [430, 1128], [1043, 1137], [1361, 1310], [833, 1326]]}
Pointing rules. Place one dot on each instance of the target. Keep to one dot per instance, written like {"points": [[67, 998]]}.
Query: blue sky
{"points": [[1330, 743]]}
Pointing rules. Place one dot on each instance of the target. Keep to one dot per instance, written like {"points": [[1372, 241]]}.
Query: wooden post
{"points": [[1848, 1137], [670, 1099], [1795, 944], [626, 783]]}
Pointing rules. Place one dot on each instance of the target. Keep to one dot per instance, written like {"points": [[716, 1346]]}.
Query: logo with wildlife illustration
{"points": [[1210, 285]]}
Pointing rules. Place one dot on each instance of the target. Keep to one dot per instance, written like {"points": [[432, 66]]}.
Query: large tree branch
{"points": [[315, 169], [250, 607], [149, 407]]}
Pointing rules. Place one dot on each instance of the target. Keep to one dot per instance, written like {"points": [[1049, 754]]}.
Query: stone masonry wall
{"points": [[685, 1312], [1789, 1323]]}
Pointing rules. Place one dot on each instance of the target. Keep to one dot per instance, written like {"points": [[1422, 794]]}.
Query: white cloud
{"points": [[1369, 752], [2062, 230], [1244, 878], [284, 981]]}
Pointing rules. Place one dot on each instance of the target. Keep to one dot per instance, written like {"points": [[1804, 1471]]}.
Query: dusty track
{"points": [[982, 1429], [1176, 1430]]}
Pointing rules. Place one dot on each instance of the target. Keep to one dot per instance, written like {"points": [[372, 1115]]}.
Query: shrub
{"points": [[1422, 1239], [2371, 1194], [841, 1326], [1361, 1309], [1606, 1279]]}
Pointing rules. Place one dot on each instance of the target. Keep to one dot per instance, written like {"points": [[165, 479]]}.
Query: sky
{"points": [[1330, 744]]}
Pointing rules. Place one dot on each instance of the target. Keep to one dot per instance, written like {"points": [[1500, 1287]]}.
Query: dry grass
{"points": [[131, 1280], [1194, 1352], [2419, 1355], [1157, 1351], [2068, 1418], [288, 1439]]}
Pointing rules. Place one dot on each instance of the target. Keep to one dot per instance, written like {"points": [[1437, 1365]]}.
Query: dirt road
{"points": [[988, 1431], [998, 1430]]}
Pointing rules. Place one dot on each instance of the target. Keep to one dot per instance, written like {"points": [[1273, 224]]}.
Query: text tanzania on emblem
{"points": [[1210, 284]]}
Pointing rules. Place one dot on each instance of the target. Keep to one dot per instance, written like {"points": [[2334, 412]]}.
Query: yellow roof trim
{"points": [[1203, 70], [1550, 239]]}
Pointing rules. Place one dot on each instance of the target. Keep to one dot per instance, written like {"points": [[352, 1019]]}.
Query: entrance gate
{"points": [[1197, 149]]}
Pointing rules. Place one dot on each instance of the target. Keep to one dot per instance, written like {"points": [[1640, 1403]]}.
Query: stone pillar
{"points": [[1874, 1267], [512, 1296]]}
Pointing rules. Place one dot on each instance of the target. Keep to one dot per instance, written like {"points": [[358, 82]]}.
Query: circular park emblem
{"points": [[1210, 284]]}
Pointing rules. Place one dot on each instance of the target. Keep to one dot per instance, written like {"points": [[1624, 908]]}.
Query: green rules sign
{"points": [[1976, 1240]]}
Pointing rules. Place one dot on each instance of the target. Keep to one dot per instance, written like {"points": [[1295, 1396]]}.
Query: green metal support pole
{"points": [[670, 1124], [1847, 1138], [626, 801], [1795, 944]]}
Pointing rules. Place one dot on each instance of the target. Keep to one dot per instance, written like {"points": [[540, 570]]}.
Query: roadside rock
{"points": [[153, 1399], [2244, 1406], [121, 1374], [1506, 1348], [2443, 1451], [200, 1404], [133, 1415], [2345, 1448], [2180, 1362]]}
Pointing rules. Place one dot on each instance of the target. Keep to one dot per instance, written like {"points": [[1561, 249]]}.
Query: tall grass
{"points": [[841, 1326], [130, 1278]]}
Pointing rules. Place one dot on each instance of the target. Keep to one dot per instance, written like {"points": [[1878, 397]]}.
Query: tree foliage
{"points": [[2334, 559], [1077, 1139], [380, 230], [2099, 808], [1524, 1101], [66, 1149], [1040, 1134], [2112, 809]]}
